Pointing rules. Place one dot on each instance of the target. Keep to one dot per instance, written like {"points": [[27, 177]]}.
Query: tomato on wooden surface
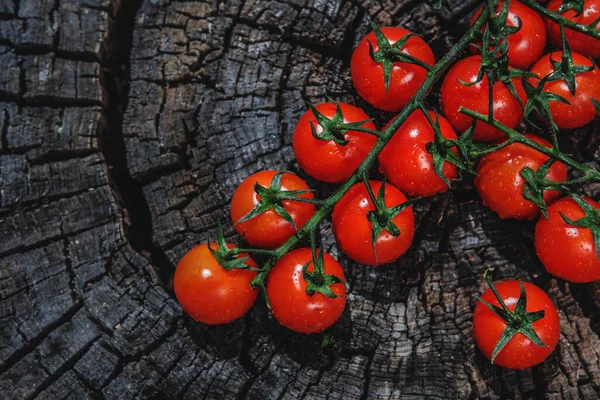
{"points": [[454, 94], [581, 110], [406, 162], [579, 42], [500, 183], [270, 230], [208, 292], [292, 306], [353, 229], [520, 351], [567, 251], [526, 45], [328, 160], [368, 75]]}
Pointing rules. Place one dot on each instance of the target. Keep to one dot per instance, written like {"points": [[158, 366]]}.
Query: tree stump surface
{"points": [[126, 125]]}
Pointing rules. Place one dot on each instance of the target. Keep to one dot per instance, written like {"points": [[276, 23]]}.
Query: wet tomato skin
{"points": [[567, 252], [328, 161], [269, 230], [454, 94], [352, 229], [292, 306], [526, 45], [581, 110], [407, 163], [500, 183], [519, 352], [579, 42], [406, 79], [209, 293]]}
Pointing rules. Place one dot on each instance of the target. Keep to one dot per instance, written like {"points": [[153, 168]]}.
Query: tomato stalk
{"points": [[589, 174], [588, 30], [326, 207]]}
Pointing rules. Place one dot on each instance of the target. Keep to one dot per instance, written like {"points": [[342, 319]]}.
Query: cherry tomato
{"points": [[579, 42], [520, 352], [327, 160], [567, 251], [406, 79], [526, 45], [500, 183], [290, 303], [587, 87], [353, 230], [406, 162], [507, 109], [269, 230], [209, 293]]}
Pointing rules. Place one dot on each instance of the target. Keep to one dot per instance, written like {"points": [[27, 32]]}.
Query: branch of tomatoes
{"points": [[279, 194], [326, 206]]}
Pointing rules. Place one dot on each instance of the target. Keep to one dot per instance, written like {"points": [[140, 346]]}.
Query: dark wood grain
{"points": [[125, 127]]}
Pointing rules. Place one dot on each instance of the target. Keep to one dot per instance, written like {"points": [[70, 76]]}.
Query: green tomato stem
{"points": [[514, 136], [588, 30]]}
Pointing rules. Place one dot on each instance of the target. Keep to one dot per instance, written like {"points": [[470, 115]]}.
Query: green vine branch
{"points": [[588, 30]]}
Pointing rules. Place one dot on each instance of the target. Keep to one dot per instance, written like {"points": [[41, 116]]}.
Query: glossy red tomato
{"points": [[526, 45], [507, 109], [269, 230], [292, 306], [579, 42], [406, 79], [353, 230], [500, 183], [209, 293], [519, 352], [329, 161], [567, 251], [581, 110], [406, 162]]}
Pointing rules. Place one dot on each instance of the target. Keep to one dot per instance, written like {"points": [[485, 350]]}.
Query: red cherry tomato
{"points": [[519, 352], [353, 230], [567, 251], [406, 162], [269, 230], [209, 293], [587, 87], [507, 109], [526, 45], [292, 306], [406, 79], [326, 160], [579, 42], [500, 183]]}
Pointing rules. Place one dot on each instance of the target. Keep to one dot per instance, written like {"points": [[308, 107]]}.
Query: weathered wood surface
{"points": [[125, 128]]}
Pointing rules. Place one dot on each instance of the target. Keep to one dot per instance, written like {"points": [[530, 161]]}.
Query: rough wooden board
{"points": [[91, 164]]}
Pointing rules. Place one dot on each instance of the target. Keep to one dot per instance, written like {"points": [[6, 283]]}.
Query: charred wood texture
{"points": [[126, 125]]}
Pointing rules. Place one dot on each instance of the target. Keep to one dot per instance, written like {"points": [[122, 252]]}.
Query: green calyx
{"points": [[494, 65], [517, 321], [318, 281], [334, 128], [389, 54], [228, 258], [576, 5], [441, 148], [536, 184], [383, 217], [590, 221], [497, 23], [566, 69], [272, 198]]}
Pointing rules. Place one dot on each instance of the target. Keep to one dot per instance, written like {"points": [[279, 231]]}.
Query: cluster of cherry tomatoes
{"points": [[515, 324]]}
